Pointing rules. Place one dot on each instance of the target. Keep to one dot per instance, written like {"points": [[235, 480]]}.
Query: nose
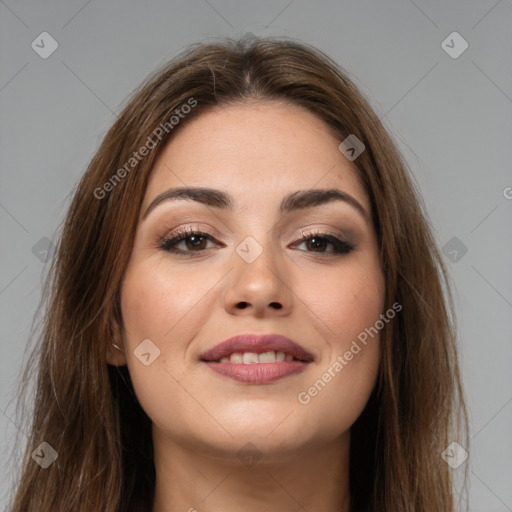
{"points": [[260, 288]]}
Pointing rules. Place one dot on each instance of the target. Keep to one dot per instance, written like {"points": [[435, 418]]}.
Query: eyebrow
{"points": [[299, 200]]}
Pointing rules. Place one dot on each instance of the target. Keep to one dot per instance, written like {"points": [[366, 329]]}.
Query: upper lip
{"points": [[257, 343]]}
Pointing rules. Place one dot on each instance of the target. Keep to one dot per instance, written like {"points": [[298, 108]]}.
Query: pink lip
{"points": [[257, 343], [257, 373]]}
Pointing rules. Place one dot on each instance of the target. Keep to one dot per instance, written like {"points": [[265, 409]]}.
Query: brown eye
{"points": [[192, 241], [318, 242], [195, 242]]}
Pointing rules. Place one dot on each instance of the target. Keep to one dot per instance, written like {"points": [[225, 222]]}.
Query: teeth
{"points": [[251, 357], [267, 357], [236, 358]]}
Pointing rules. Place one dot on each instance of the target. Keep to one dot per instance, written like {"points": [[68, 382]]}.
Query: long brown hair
{"points": [[87, 410]]}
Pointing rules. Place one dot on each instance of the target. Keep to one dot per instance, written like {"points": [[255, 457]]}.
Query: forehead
{"points": [[256, 151]]}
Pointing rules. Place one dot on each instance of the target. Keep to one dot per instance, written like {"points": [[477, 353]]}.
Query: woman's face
{"points": [[249, 271]]}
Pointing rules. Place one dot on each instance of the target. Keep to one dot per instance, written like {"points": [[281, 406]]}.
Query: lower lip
{"points": [[258, 373]]}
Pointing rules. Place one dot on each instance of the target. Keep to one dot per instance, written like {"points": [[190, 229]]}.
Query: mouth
{"points": [[270, 356], [257, 359]]}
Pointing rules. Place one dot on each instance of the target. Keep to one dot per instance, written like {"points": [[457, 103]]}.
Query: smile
{"points": [[257, 359], [252, 357]]}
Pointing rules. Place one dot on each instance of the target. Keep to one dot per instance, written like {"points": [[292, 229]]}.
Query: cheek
{"points": [[348, 306], [158, 300], [166, 304], [344, 301], [159, 304]]}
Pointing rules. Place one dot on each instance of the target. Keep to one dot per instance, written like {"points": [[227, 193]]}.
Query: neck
{"points": [[189, 479]]}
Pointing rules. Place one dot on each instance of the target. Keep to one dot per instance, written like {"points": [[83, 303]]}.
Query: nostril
{"points": [[275, 305]]}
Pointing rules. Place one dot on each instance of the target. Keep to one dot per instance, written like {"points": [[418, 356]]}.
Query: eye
{"points": [[195, 241], [318, 242], [192, 240]]}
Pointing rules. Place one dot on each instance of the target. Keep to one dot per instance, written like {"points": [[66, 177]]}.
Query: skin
{"points": [[257, 152]]}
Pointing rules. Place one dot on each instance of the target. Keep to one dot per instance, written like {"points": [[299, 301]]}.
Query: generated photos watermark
{"points": [[304, 397], [143, 151]]}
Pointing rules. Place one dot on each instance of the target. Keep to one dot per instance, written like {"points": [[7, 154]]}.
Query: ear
{"points": [[116, 356]]}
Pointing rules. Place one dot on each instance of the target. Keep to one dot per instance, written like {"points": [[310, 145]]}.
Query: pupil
{"points": [[197, 243], [317, 243]]}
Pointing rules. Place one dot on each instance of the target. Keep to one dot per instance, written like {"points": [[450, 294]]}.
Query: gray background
{"points": [[450, 116]]}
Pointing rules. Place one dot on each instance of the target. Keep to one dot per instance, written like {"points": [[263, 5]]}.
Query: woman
{"points": [[247, 309]]}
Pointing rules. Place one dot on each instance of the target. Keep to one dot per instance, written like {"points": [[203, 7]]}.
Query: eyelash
{"points": [[168, 243]]}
